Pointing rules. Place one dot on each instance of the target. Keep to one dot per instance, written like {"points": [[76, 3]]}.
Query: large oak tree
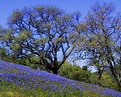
{"points": [[44, 33]]}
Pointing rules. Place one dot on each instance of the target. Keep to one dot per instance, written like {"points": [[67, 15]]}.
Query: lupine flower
{"points": [[30, 78]]}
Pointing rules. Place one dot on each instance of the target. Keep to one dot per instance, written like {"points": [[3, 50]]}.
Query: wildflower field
{"points": [[22, 81]]}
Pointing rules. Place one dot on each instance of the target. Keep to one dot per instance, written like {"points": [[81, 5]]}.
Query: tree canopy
{"points": [[47, 36], [45, 32]]}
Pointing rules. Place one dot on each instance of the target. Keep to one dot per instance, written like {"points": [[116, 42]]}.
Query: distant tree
{"points": [[45, 33], [96, 58], [104, 37]]}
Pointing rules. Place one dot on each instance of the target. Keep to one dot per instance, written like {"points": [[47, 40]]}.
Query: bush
{"points": [[75, 72]]}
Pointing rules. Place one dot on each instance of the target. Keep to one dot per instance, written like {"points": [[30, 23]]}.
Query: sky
{"points": [[69, 6]]}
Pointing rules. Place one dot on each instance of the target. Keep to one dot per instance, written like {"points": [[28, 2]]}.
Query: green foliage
{"points": [[82, 74], [106, 80], [75, 72], [2, 53], [48, 32], [11, 90], [42, 31]]}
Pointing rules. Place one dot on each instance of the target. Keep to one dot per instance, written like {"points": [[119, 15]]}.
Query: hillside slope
{"points": [[16, 79]]}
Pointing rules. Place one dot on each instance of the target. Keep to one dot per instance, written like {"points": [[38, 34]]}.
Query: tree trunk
{"points": [[100, 74], [99, 77], [114, 74], [55, 68], [55, 71], [110, 59]]}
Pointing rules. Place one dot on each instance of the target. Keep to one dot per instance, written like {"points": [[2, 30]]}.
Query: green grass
{"points": [[21, 81], [10, 90]]}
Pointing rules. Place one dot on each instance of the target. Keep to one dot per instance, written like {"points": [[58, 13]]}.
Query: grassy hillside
{"points": [[21, 81]]}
